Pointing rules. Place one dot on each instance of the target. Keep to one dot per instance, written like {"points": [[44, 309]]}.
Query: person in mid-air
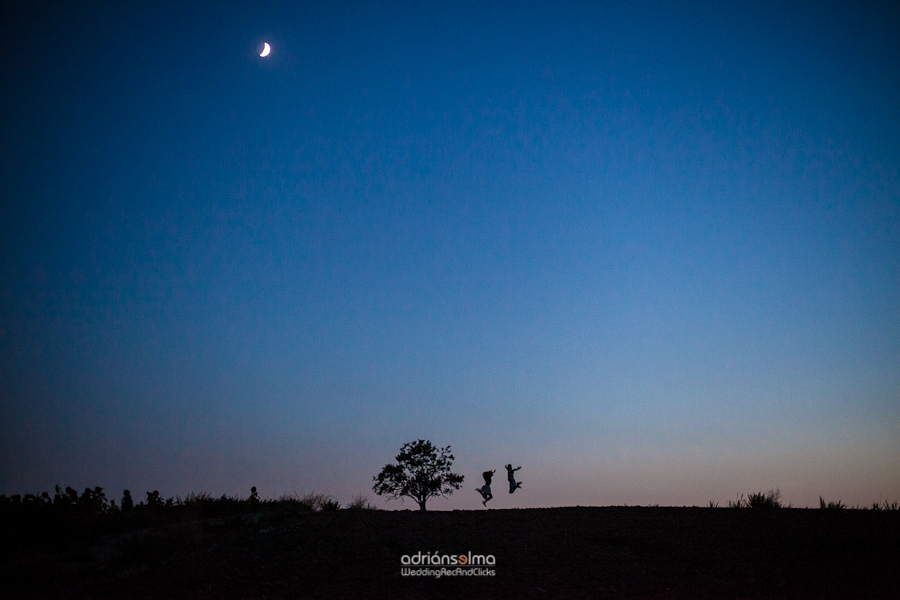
{"points": [[485, 490], [513, 484]]}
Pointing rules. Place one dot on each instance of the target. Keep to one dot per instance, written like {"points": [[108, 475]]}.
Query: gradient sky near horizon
{"points": [[648, 251]]}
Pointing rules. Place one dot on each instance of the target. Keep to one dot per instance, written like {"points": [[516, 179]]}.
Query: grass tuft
{"points": [[361, 502], [771, 499], [320, 502], [885, 505], [831, 505]]}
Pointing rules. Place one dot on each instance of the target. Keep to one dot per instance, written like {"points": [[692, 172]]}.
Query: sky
{"points": [[649, 251]]}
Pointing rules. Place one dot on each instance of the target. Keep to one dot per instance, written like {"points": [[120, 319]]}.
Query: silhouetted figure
{"points": [[487, 476], [485, 490], [254, 497], [127, 500], [513, 485]]}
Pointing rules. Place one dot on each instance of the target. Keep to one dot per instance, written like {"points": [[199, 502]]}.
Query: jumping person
{"points": [[513, 485], [485, 490]]}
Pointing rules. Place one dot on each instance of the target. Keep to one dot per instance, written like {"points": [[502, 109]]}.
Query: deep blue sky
{"points": [[649, 252]]}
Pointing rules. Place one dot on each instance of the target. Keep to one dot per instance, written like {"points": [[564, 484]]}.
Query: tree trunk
{"points": [[421, 505]]}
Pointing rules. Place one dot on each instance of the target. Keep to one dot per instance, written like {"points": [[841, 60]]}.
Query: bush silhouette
{"points": [[770, 499], [319, 502], [831, 505], [360, 502]]}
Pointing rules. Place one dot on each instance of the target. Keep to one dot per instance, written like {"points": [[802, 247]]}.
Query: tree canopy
{"points": [[422, 472]]}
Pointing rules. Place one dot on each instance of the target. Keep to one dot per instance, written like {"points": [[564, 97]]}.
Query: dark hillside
{"points": [[621, 552]]}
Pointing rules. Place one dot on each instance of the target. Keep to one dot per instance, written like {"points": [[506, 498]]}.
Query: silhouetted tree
{"points": [[422, 472]]}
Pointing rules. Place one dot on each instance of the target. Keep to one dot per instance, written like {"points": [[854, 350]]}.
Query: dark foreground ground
{"points": [[540, 553]]}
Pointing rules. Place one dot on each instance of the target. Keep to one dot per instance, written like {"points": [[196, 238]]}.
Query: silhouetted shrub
{"points": [[771, 499], [153, 499], [361, 502], [68, 499], [318, 501], [93, 501], [831, 505]]}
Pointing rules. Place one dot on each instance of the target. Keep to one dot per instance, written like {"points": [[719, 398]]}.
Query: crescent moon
{"points": [[266, 50]]}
